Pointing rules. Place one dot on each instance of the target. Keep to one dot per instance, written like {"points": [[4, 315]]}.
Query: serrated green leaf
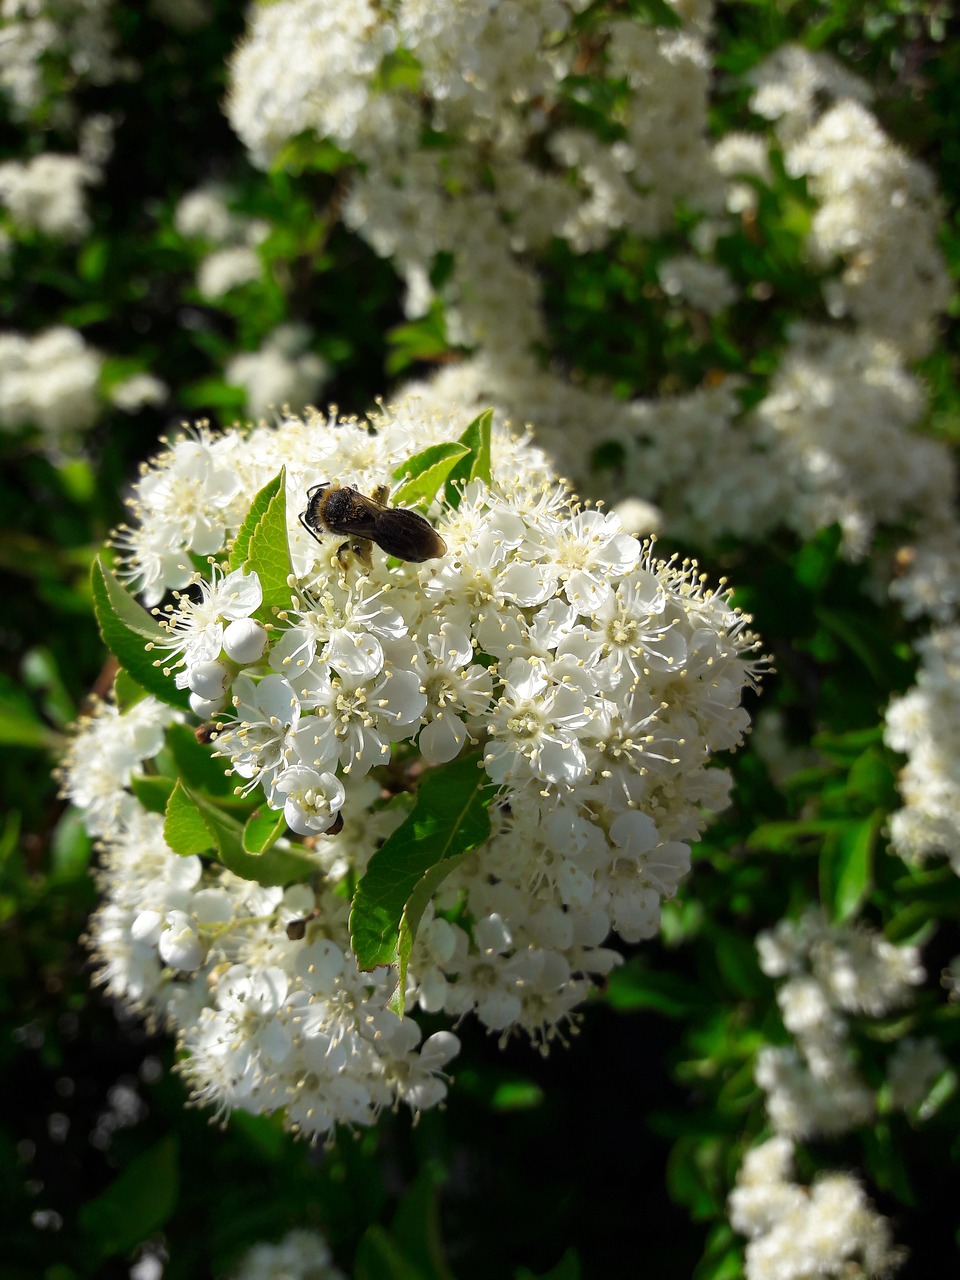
{"points": [[422, 475], [449, 818], [183, 828], [478, 463], [413, 911], [195, 824], [258, 508], [136, 1204], [263, 829], [268, 549], [153, 792], [127, 629]]}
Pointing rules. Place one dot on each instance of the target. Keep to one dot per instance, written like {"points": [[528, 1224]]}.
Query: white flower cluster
{"points": [[597, 681], [505, 89], [924, 724], [300, 1255], [879, 213], [828, 1229], [832, 441], [205, 216], [74, 37], [791, 86], [838, 419], [47, 194], [832, 973], [50, 382], [282, 374], [502, 84]]}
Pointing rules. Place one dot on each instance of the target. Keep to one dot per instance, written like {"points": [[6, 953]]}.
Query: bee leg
{"points": [[357, 548], [381, 494]]}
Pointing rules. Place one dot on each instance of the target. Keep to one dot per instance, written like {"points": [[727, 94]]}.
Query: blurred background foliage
{"points": [[615, 1155]]}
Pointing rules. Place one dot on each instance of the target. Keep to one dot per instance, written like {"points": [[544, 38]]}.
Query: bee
{"points": [[338, 509]]}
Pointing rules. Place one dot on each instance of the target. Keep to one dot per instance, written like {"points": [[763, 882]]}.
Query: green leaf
{"points": [[194, 824], [20, 726], [817, 559], [268, 549], [127, 630], [183, 827], [413, 911], [126, 692], [152, 792], [635, 986], [790, 836], [379, 1258], [416, 1227], [136, 1204], [475, 465], [846, 865], [197, 765], [240, 550], [70, 847], [422, 475], [263, 829], [449, 818]]}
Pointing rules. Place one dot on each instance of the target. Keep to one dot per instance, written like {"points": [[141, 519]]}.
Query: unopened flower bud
{"points": [[210, 680], [244, 641]]}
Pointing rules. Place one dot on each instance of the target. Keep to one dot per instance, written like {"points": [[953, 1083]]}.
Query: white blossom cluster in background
{"points": [[822, 1231], [515, 171], [596, 681], [835, 433], [50, 47], [831, 974], [52, 385], [50, 382], [301, 1255], [282, 374], [924, 724], [204, 216], [48, 192]]}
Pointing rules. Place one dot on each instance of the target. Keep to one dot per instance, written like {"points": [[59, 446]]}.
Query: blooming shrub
{"points": [[595, 680]]}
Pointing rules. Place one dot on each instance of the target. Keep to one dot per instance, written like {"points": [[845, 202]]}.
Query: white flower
{"points": [[310, 799], [261, 741], [196, 626], [179, 944], [537, 721]]}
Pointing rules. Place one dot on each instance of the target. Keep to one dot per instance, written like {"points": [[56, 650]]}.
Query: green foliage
{"points": [[138, 1203], [637, 1128], [448, 819], [194, 823], [423, 474], [131, 634], [475, 464], [265, 549]]}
